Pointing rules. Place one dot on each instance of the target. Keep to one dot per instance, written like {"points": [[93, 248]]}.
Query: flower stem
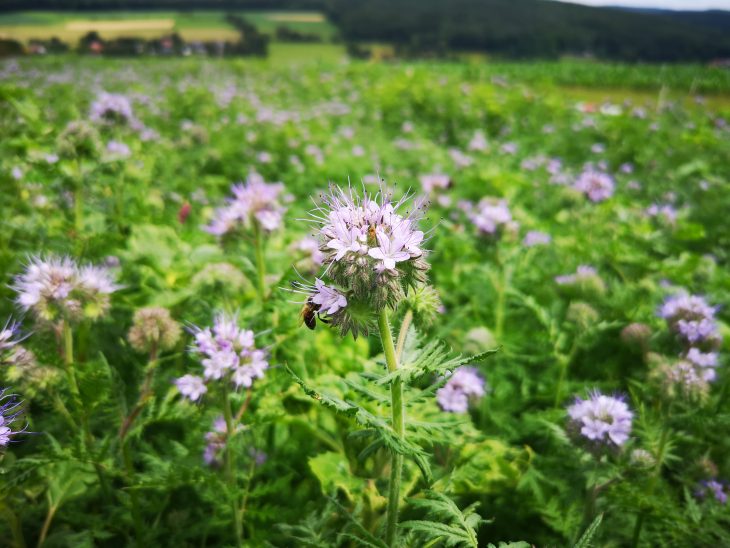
{"points": [[403, 334], [640, 517], [398, 423], [260, 264], [229, 465]]}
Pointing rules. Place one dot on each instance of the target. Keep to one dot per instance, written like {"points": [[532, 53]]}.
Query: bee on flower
{"points": [[372, 254]]}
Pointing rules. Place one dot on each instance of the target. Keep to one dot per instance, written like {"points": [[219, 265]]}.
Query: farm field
{"points": [[202, 25], [309, 302]]}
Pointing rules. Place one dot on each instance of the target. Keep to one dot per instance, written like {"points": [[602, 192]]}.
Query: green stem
{"points": [[637, 529], [88, 440], [229, 466], [399, 426], [78, 197], [561, 379], [640, 517], [136, 516], [564, 362], [403, 334], [68, 362], [260, 264]]}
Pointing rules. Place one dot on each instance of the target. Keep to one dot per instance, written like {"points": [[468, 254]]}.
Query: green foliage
{"points": [[314, 441], [446, 522]]}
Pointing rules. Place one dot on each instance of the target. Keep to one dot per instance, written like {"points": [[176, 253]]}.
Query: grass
{"points": [[193, 25]]}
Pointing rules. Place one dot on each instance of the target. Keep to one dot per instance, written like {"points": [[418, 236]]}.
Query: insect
{"points": [[371, 233], [309, 315]]}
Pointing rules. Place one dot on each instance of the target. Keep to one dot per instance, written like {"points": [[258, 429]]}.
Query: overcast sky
{"points": [[666, 4]]}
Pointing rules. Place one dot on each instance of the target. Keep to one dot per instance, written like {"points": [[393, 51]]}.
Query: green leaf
{"points": [[585, 540]]}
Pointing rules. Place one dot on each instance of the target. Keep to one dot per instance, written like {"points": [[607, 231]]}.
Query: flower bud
{"points": [[153, 328]]}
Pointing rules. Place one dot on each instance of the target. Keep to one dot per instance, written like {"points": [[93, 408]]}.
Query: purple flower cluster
{"points": [[11, 352], [712, 487], [535, 237], [432, 182], [489, 215], [667, 212], [692, 318], [253, 201], [596, 185], [582, 273], [464, 384], [58, 288], [363, 228], [10, 412], [228, 352], [601, 419], [371, 252], [110, 108]]}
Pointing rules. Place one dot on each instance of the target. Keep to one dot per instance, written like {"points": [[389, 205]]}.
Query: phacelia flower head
{"points": [[714, 488], [228, 353], [464, 385], [490, 215], [56, 288], [10, 413], [254, 201], [603, 420], [373, 252], [153, 329], [596, 185], [111, 108], [534, 238], [12, 353], [191, 386], [432, 182], [692, 318]]}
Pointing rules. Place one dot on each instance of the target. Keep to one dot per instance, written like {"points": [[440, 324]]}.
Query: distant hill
{"points": [[529, 28], [507, 28]]}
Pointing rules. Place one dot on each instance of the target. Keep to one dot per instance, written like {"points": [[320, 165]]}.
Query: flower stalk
{"points": [[398, 423]]}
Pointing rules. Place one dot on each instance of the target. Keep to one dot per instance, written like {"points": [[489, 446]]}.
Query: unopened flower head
{"points": [[463, 386], [254, 201], [78, 140], [596, 185], [373, 253], [10, 413], [603, 420], [228, 352], [56, 288], [585, 278], [153, 328], [111, 108]]}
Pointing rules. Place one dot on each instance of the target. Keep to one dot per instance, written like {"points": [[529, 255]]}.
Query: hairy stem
{"points": [[229, 466], [403, 334], [641, 516], [260, 264], [398, 422]]}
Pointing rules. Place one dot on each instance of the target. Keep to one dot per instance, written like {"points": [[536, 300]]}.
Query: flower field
{"points": [[358, 304]]}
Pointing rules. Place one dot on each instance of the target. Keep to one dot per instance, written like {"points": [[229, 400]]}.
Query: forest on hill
{"points": [[505, 28]]}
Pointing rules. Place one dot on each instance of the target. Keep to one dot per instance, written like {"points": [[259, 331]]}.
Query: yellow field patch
{"points": [[121, 26], [296, 17]]}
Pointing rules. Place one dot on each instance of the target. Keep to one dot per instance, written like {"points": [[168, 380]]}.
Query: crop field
{"points": [[251, 303], [204, 25]]}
